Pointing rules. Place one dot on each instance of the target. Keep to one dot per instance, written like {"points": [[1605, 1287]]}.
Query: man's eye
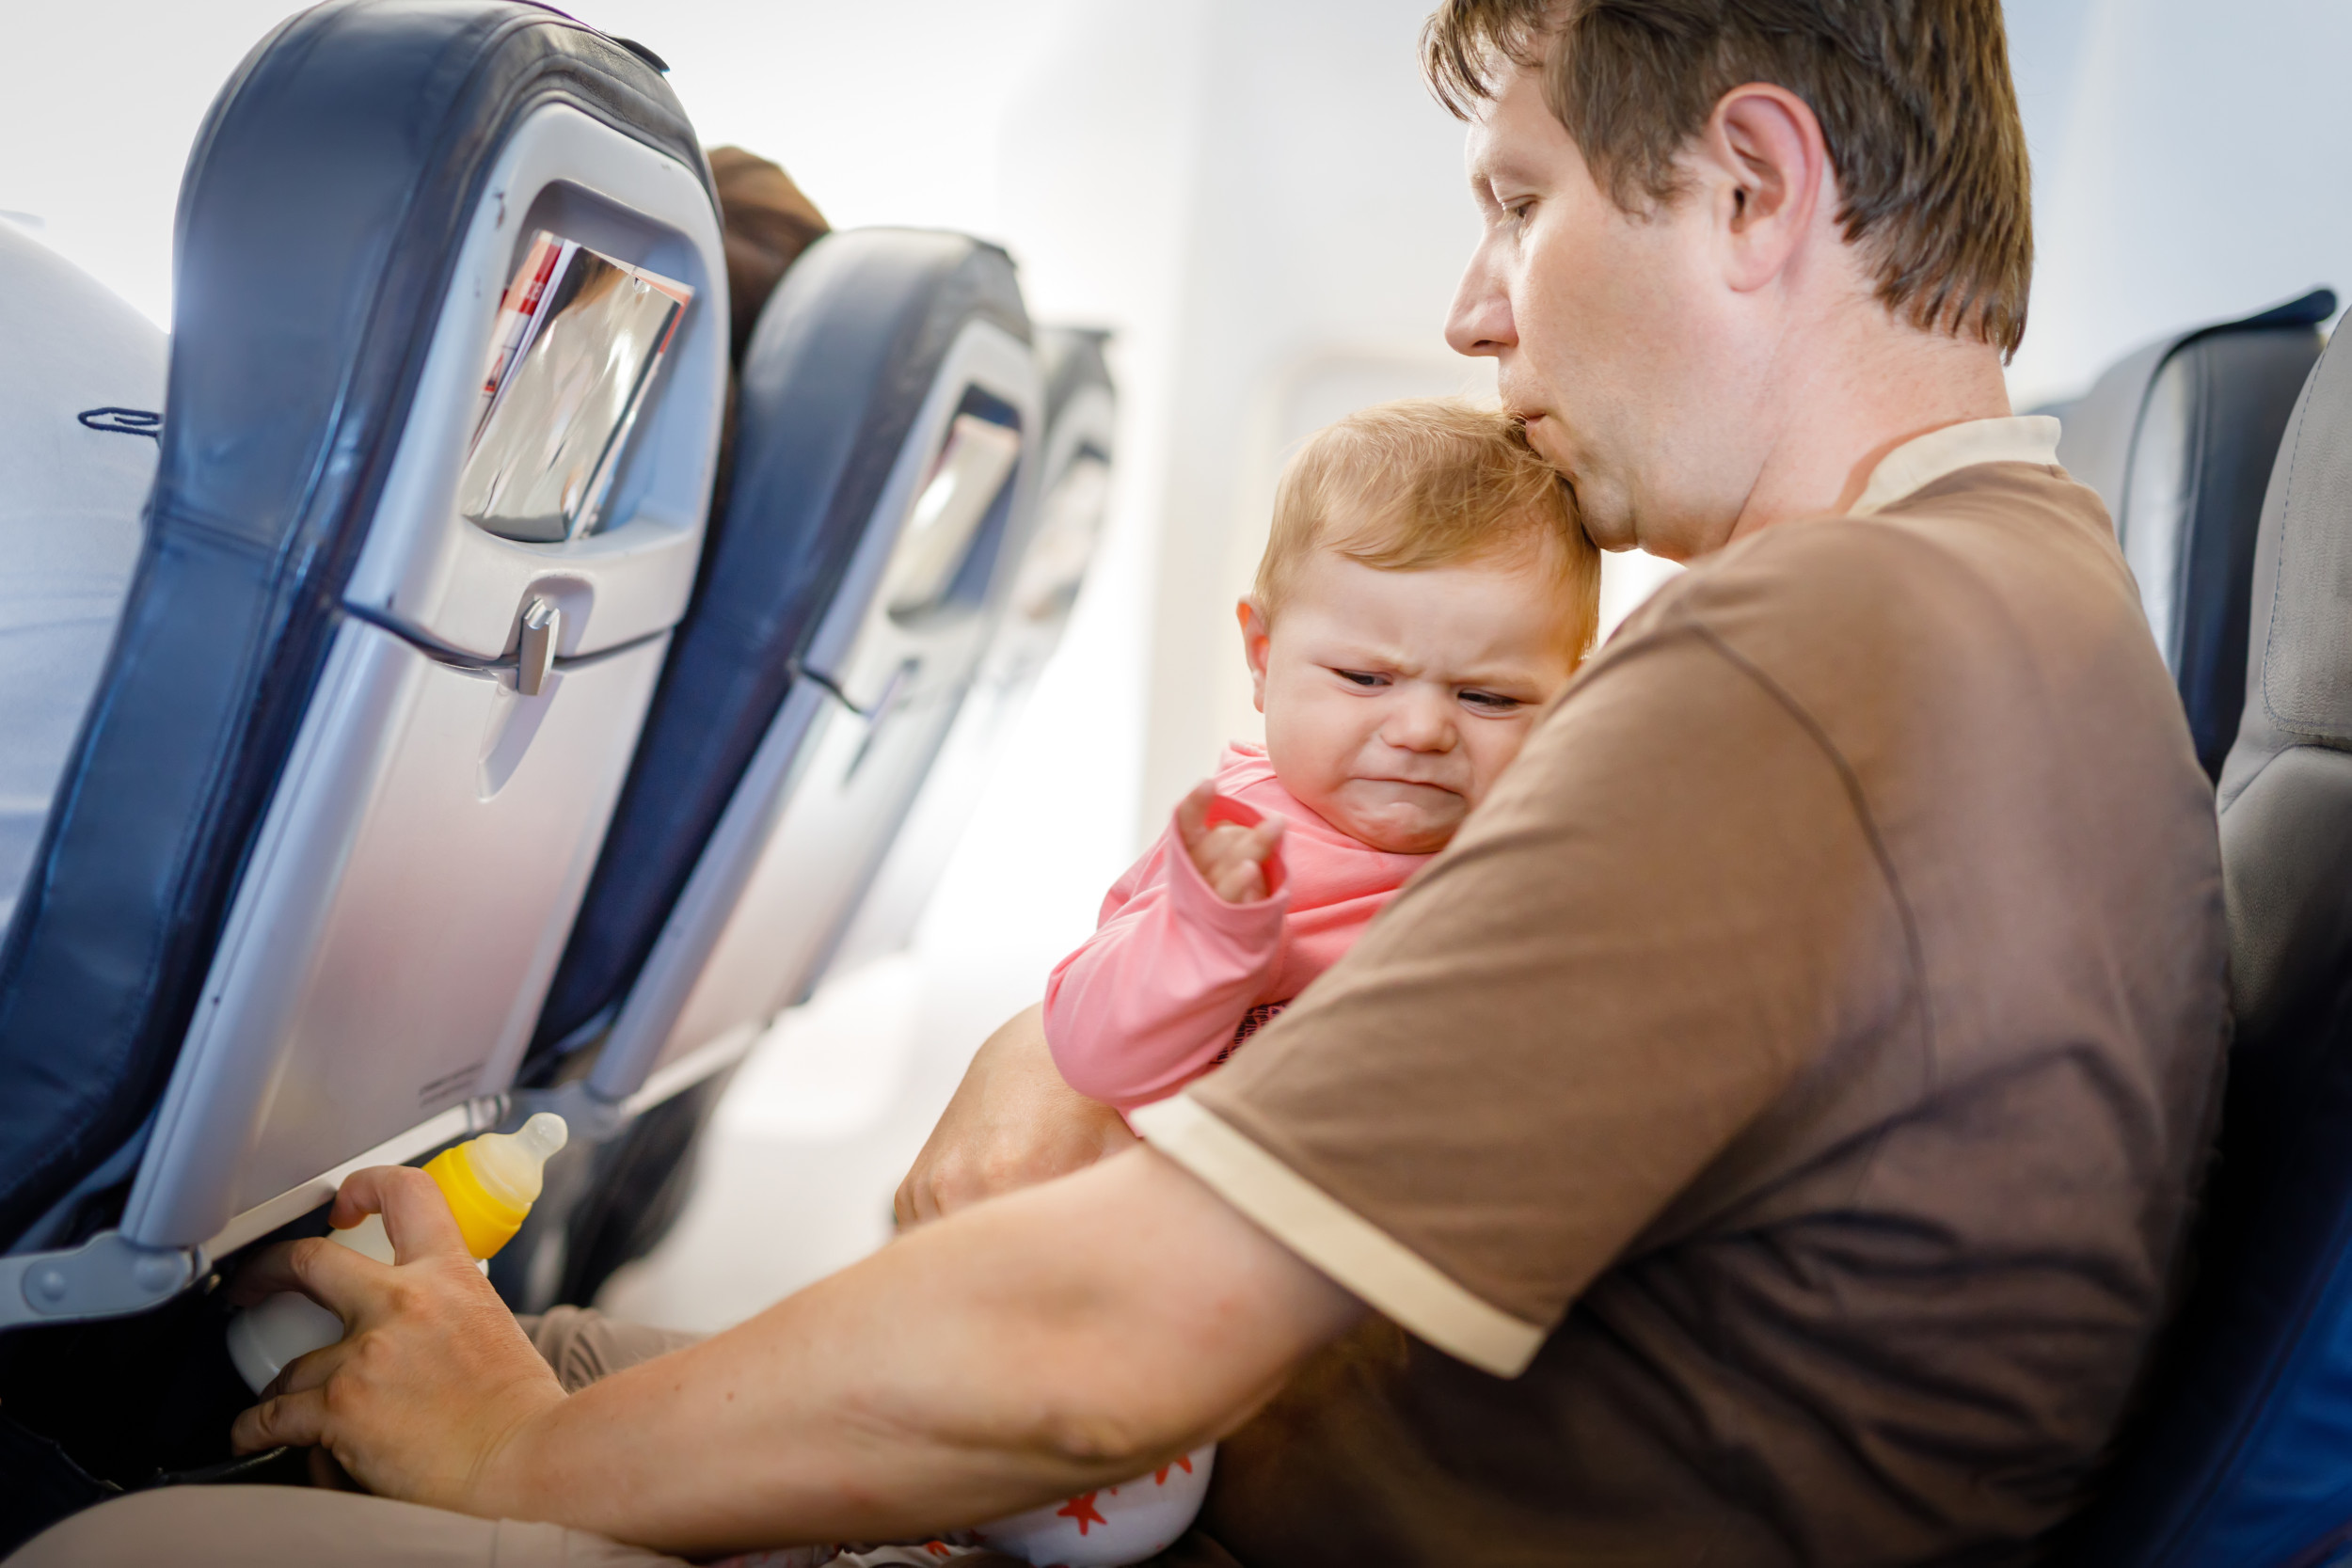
{"points": [[1492, 701], [1361, 677]]}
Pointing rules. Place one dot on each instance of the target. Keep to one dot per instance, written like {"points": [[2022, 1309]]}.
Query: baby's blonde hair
{"points": [[1431, 482]]}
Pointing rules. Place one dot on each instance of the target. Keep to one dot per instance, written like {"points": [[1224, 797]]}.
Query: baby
{"points": [[1426, 588]]}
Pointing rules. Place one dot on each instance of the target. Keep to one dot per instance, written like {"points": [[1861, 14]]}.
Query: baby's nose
{"points": [[1421, 723]]}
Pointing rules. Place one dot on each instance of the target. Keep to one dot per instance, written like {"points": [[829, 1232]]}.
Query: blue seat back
{"points": [[1068, 504], [311, 630], [2177, 439], [2242, 1455], [844, 402]]}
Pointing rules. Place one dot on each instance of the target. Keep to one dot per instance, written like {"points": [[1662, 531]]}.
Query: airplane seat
{"points": [[2177, 439], [2240, 1453], [1073, 496], [886, 406], [81, 401], [345, 770]]}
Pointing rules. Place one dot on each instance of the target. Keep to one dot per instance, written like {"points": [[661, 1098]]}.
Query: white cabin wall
{"points": [[2184, 159]]}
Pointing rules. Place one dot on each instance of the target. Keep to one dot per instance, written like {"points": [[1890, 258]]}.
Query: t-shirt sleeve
{"points": [[1639, 942]]}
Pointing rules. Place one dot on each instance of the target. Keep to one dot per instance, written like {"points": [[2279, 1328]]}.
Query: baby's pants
{"points": [[286, 1527]]}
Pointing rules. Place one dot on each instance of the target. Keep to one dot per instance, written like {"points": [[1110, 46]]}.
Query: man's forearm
{"points": [[1062, 1338]]}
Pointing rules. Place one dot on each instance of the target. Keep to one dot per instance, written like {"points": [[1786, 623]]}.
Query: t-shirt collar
{"points": [[1924, 459]]}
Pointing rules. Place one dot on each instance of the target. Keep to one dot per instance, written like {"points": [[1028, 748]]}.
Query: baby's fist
{"points": [[1230, 857]]}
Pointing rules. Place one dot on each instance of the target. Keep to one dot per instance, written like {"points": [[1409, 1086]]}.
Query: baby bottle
{"points": [[490, 1184]]}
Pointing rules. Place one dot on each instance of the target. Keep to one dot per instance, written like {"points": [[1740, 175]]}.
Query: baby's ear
{"points": [[1256, 635]]}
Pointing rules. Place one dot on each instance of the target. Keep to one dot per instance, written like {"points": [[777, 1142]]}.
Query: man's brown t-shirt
{"points": [[1775, 1117]]}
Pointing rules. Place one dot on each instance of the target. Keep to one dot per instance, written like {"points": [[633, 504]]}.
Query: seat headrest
{"points": [[2299, 687], [2101, 424], [2286, 788], [2177, 440]]}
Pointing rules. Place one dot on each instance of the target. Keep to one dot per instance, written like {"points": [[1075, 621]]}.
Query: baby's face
{"points": [[1393, 700]]}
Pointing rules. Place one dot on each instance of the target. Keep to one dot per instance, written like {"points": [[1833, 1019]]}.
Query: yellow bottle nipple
{"points": [[492, 1181]]}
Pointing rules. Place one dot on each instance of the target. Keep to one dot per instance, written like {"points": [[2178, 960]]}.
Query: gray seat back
{"points": [[2240, 1458]]}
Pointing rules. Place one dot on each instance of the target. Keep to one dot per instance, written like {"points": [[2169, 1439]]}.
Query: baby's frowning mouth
{"points": [[1413, 784]]}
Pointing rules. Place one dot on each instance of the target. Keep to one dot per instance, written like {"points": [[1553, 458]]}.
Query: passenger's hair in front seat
{"points": [[769, 222]]}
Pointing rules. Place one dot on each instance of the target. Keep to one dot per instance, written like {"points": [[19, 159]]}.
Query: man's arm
{"points": [[1067, 1337], [1012, 1123]]}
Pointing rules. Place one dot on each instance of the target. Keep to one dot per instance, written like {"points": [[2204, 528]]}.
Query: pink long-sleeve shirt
{"points": [[1153, 999]]}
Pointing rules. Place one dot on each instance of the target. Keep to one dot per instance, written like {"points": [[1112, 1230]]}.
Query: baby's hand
{"points": [[1230, 856]]}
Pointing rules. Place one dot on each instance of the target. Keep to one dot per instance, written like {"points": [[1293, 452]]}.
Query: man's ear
{"points": [[1256, 634], [1763, 159]]}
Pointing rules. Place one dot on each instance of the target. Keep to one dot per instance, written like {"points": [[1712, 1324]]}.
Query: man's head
{"points": [[1705, 217], [1425, 589]]}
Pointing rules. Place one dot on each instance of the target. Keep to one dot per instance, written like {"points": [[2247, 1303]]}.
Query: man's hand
{"points": [[432, 1378], [1012, 1123], [1231, 858]]}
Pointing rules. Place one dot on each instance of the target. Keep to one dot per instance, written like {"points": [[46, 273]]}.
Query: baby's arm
{"points": [[1146, 1004]]}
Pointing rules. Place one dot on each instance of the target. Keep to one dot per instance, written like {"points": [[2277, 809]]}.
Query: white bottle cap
{"points": [[510, 1165]]}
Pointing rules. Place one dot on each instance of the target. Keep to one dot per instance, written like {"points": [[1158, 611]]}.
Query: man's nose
{"points": [[1480, 323]]}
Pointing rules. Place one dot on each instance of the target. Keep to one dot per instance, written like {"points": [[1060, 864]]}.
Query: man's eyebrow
{"points": [[1491, 167]]}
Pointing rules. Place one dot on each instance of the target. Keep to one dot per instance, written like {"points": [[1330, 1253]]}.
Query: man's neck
{"points": [[1859, 398]]}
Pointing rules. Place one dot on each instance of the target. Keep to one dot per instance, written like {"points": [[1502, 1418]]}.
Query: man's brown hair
{"points": [[1914, 97], [1432, 482]]}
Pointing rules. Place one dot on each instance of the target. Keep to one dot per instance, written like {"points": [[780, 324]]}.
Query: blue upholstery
{"points": [[2177, 439], [2242, 1454], [323, 205], [838, 368]]}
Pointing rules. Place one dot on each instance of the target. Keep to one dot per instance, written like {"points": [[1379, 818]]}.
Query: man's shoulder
{"points": [[1958, 562], [1989, 613]]}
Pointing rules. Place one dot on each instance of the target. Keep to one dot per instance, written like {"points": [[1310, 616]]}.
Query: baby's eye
{"points": [[1361, 677], [1492, 701]]}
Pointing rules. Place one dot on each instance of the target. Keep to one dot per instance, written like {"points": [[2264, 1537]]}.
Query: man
{"points": [[1765, 1136]]}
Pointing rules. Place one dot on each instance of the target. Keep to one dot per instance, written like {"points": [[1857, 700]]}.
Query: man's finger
{"points": [[263, 1274], [308, 1371], [917, 1204], [923, 1197], [335, 1277], [416, 1215], [290, 1420]]}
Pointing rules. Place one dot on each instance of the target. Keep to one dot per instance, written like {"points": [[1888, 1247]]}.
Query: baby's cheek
{"points": [[1495, 751]]}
